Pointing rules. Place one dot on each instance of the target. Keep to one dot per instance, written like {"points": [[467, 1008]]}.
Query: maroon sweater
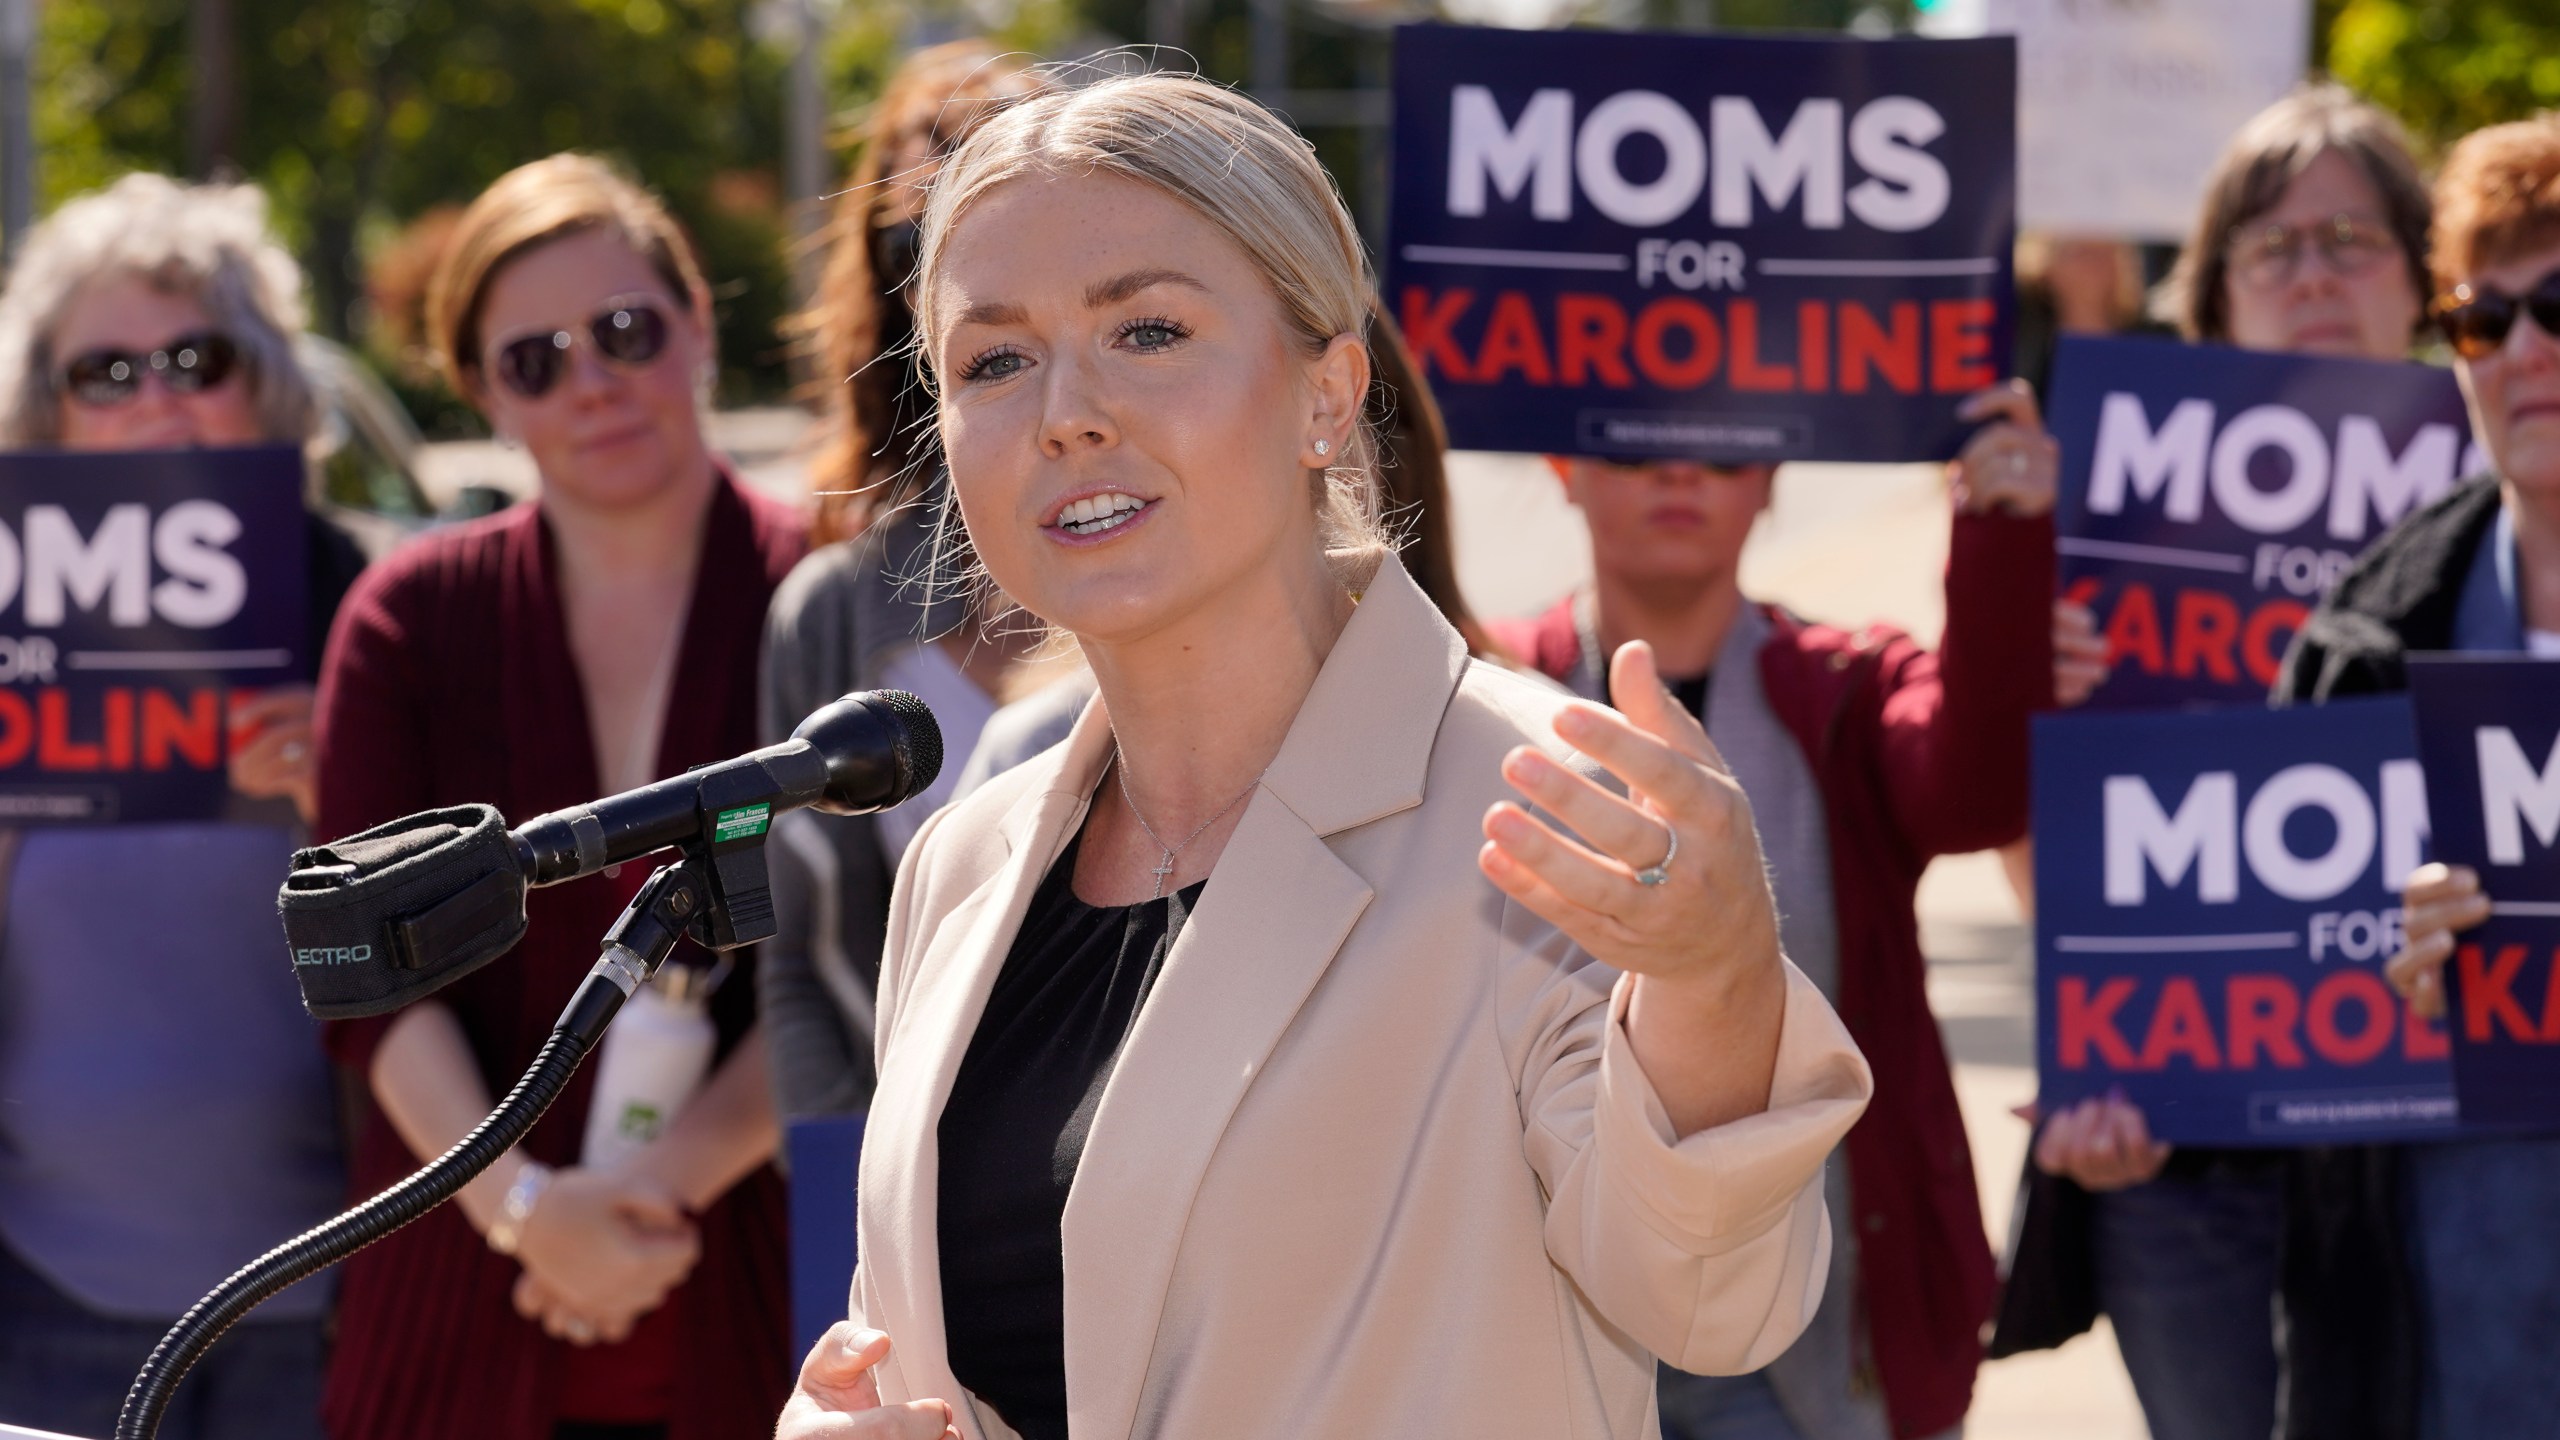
{"points": [[449, 680], [1917, 755]]}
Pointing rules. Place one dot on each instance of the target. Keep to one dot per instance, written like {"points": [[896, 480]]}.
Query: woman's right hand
{"points": [[2080, 660], [839, 1397], [608, 1247], [2101, 1144]]}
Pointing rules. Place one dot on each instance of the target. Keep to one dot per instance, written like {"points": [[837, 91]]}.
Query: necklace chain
{"points": [[1164, 867]]}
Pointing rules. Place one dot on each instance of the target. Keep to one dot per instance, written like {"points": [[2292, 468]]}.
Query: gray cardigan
{"points": [[836, 620]]}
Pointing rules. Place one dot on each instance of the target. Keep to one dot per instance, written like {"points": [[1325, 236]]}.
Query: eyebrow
{"points": [[1097, 295], [992, 312], [1119, 288]]}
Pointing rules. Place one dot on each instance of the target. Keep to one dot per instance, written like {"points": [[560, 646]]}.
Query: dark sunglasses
{"points": [[2476, 320], [630, 335], [192, 363]]}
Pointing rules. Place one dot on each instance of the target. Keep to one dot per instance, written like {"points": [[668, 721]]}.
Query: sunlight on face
{"points": [[1125, 407], [606, 433], [1667, 522], [2515, 389], [2365, 313], [126, 313]]}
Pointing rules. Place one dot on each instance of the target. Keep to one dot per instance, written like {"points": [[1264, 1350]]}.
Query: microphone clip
{"points": [[736, 813]]}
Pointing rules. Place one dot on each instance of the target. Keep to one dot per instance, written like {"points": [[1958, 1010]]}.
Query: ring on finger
{"points": [[1660, 870], [580, 1331]]}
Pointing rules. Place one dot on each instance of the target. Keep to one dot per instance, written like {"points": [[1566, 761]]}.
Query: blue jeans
{"points": [[2481, 1217], [2187, 1273], [66, 1368]]}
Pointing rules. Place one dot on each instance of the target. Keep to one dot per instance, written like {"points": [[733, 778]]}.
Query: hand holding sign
{"points": [[272, 745], [2080, 658], [2440, 901], [2011, 465]]}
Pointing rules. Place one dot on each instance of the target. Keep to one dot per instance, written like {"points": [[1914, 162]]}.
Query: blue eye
{"points": [[1153, 334], [994, 366]]}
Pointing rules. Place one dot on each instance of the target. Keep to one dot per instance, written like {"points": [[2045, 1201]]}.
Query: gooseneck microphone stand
{"points": [[384, 917], [640, 941]]}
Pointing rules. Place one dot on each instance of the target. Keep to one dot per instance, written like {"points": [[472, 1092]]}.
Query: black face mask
{"points": [[894, 249]]}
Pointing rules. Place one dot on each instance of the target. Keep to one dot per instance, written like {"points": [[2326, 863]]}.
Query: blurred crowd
{"points": [[171, 1112]]}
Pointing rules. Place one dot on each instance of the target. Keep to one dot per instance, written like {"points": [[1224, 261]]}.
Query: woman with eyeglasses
{"points": [[598, 638], [2476, 572], [2311, 241], [165, 1113]]}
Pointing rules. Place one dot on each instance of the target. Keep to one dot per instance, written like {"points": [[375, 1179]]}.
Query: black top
{"points": [[1691, 693], [1014, 1131]]}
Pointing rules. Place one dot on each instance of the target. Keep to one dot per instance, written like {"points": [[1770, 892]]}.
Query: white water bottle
{"points": [[655, 1057]]}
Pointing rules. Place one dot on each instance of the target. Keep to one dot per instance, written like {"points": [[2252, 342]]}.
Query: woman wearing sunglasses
{"points": [[596, 639], [164, 1108], [2478, 571], [2311, 241]]}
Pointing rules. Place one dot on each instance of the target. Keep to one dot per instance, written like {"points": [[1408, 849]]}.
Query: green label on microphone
{"points": [[744, 823]]}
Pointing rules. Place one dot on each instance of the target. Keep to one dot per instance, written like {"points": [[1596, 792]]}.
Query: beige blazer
{"points": [[1376, 1159]]}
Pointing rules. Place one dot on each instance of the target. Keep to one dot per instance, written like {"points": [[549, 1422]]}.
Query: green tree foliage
{"points": [[2446, 67], [358, 115]]}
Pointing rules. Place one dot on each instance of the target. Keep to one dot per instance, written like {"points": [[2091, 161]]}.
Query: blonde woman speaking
{"points": [[1336, 1035]]}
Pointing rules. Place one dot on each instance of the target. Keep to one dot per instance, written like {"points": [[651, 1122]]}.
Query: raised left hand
{"points": [[1710, 919], [2011, 465]]}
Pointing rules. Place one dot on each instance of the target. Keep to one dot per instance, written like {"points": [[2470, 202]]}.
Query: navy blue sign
{"points": [[2216, 894], [826, 1158], [2211, 496], [1683, 245], [2489, 731], [138, 594]]}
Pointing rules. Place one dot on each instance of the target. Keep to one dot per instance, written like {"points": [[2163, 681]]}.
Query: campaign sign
{"points": [[1685, 245], [2211, 496], [2216, 894], [2489, 732], [136, 592]]}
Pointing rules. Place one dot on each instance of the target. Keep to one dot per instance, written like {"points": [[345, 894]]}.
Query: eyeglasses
{"points": [[2265, 256], [2477, 319], [190, 364], [630, 334]]}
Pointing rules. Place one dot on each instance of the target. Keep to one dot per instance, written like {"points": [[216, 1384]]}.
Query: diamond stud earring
{"points": [[1324, 447]]}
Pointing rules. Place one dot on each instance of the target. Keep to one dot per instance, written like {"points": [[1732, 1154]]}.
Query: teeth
{"points": [[1099, 512]]}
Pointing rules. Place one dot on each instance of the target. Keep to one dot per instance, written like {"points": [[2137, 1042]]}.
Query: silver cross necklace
{"points": [[1164, 867]]}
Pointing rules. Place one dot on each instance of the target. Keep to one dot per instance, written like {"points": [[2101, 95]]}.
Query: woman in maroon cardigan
{"points": [[598, 639]]}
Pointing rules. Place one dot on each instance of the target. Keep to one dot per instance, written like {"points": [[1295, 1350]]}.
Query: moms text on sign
{"points": [[1730, 161], [52, 569]]}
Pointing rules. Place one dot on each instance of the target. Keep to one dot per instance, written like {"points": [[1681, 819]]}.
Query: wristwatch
{"points": [[532, 1178]]}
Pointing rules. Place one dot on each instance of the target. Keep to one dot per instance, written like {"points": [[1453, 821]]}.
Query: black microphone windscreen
{"points": [[881, 748], [387, 916], [923, 738]]}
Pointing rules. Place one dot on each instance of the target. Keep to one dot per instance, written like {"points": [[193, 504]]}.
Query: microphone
{"points": [[865, 752], [385, 917]]}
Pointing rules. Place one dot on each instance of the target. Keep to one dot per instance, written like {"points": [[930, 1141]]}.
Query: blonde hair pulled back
{"points": [[1245, 171]]}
